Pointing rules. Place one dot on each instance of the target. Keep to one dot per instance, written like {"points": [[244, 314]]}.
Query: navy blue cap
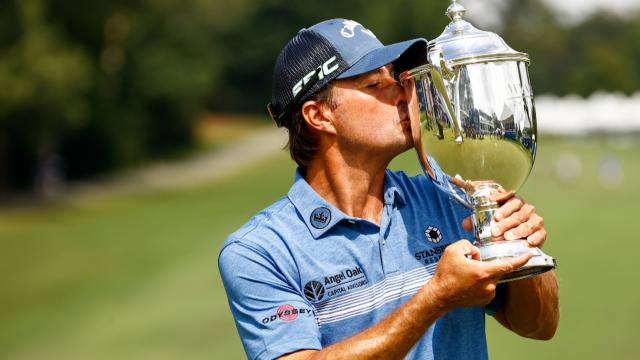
{"points": [[333, 49]]}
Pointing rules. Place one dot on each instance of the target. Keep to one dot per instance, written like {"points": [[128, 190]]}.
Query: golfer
{"points": [[356, 261]]}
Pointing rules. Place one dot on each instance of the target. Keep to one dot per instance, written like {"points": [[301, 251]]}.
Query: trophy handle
{"points": [[437, 101], [413, 108]]}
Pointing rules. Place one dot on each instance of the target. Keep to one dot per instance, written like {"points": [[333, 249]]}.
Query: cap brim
{"points": [[416, 49]]}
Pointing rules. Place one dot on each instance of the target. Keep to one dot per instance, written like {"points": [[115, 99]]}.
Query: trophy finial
{"points": [[455, 11]]}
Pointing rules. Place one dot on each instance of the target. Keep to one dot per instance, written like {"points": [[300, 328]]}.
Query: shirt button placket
{"points": [[386, 251]]}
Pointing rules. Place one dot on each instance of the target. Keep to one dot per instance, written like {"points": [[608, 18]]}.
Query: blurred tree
{"points": [[44, 79], [529, 26], [156, 62], [251, 47], [601, 53], [104, 84], [603, 58], [109, 84]]}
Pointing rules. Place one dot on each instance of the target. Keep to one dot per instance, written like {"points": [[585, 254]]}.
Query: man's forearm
{"points": [[393, 337], [532, 307], [459, 281]]}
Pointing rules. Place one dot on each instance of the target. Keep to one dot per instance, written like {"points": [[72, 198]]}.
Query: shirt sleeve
{"points": [[271, 316]]}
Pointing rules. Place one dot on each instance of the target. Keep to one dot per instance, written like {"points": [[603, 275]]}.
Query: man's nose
{"points": [[398, 93]]}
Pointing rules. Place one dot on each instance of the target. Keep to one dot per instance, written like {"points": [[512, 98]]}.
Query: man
{"points": [[358, 262]]}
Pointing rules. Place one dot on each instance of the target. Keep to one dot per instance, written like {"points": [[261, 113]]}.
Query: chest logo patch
{"points": [[335, 284], [320, 217], [433, 234], [314, 291]]}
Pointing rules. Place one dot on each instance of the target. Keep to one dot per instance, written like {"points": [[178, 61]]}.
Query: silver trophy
{"points": [[472, 110]]}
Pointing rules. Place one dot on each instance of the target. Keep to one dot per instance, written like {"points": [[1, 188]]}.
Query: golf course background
{"points": [[135, 276]]}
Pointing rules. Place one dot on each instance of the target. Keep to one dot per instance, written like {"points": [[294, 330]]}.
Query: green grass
{"points": [[136, 277]]}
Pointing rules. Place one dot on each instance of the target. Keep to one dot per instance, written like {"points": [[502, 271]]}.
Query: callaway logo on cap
{"points": [[332, 49]]}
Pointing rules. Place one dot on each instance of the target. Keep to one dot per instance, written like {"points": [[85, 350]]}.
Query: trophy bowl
{"points": [[472, 110]]}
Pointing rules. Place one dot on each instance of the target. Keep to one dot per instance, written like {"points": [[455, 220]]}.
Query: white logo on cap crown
{"points": [[348, 30], [322, 71]]}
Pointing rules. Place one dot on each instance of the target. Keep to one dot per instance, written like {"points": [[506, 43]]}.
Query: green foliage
{"points": [[253, 44], [45, 79], [43, 70], [110, 84], [604, 56], [601, 53]]}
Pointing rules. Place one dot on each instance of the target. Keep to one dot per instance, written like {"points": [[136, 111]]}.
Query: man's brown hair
{"points": [[303, 141]]}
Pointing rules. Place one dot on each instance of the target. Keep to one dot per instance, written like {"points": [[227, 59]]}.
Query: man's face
{"points": [[371, 114]]}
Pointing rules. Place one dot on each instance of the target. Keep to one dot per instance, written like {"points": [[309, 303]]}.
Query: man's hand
{"points": [[515, 219], [462, 280]]}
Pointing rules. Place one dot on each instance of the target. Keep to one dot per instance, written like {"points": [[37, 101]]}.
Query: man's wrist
{"points": [[436, 294]]}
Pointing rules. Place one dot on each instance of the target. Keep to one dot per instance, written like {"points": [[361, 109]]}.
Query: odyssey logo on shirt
{"points": [[287, 313]]}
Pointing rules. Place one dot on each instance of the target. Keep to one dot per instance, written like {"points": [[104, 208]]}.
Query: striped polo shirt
{"points": [[301, 274]]}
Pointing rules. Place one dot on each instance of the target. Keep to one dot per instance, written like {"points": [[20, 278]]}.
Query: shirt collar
{"points": [[393, 194], [441, 179], [440, 176], [319, 215]]}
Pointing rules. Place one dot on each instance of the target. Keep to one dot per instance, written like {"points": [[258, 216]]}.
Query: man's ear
{"points": [[318, 116]]}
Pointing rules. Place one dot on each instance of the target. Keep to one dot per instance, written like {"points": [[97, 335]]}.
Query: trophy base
{"points": [[538, 264]]}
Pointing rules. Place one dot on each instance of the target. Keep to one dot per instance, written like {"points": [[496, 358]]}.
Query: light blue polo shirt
{"points": [[301, 274]]}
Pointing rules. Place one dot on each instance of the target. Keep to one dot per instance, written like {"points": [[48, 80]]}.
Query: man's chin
{"points": [[408, 145], [408, 141]]}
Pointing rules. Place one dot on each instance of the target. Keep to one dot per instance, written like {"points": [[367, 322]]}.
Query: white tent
{"points": [[601, 112]]}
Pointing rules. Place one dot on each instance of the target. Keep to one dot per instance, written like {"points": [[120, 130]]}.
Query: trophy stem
{"points": [[484, 207]]}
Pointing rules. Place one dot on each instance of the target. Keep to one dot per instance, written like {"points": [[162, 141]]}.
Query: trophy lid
{"points": [[462, 41]]}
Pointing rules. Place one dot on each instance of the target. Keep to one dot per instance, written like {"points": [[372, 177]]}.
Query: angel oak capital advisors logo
{"points": [[314, 291], [335, 284]]}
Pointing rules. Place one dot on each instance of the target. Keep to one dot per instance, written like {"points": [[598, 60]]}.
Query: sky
{"points": [[569, 11]]}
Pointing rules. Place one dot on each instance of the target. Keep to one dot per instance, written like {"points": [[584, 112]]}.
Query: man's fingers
{"points": [[473, 253], [517, 262], [497, 268], [502, 195], [464, 248], [537, 238], [512, 205], [524, 214], [525, 229]]}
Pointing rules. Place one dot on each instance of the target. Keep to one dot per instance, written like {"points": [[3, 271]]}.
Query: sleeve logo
{"points": [[286, 313]]}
